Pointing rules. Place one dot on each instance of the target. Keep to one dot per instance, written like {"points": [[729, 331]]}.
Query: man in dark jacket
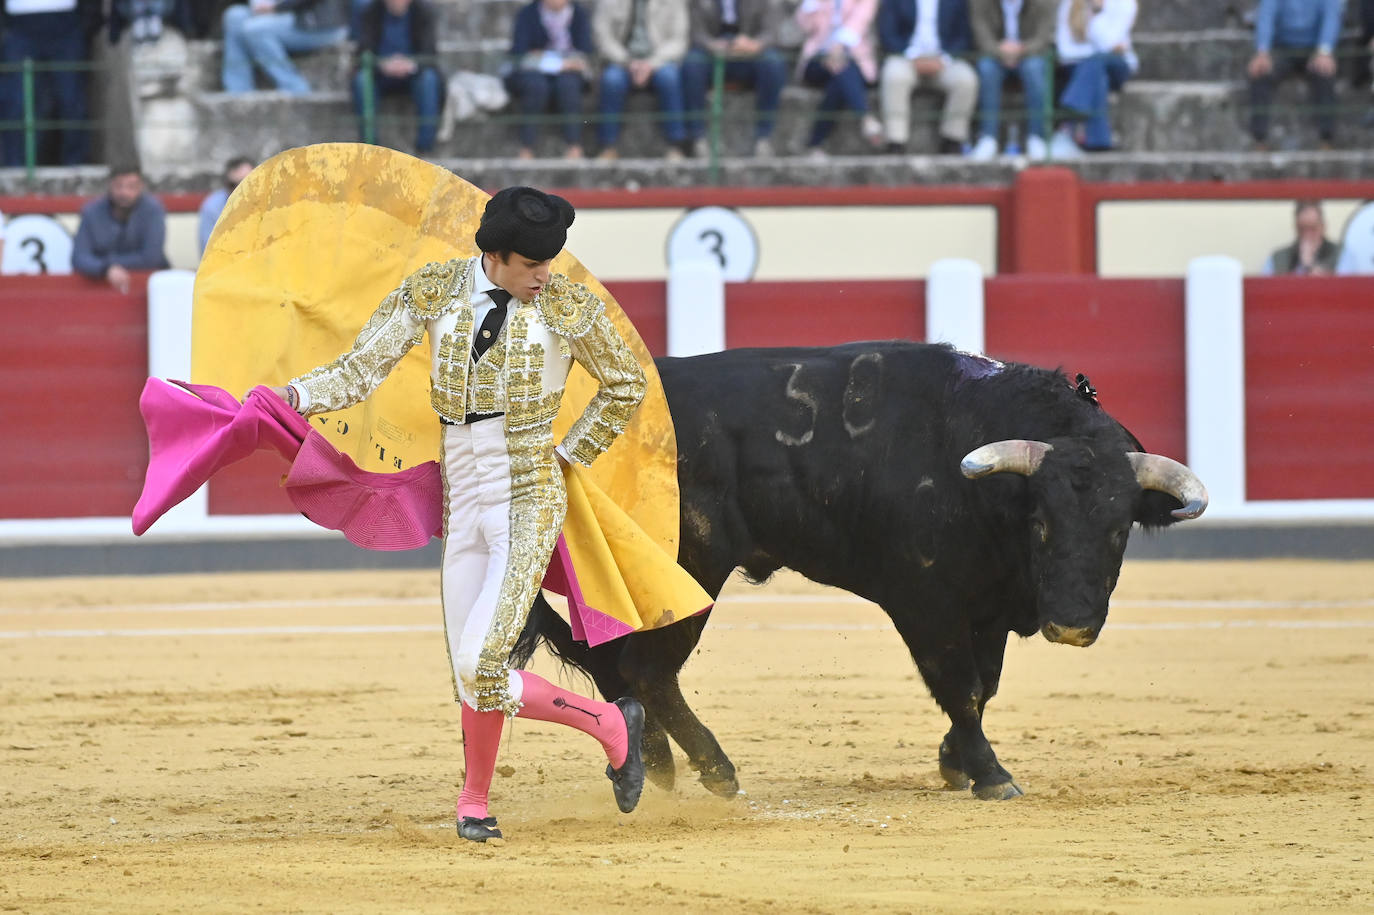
{"points": [[58, 40], [120, 232], [400, 36], [267, 32], [744, 32], [552, 50], [919, 41], [1012, 46]]}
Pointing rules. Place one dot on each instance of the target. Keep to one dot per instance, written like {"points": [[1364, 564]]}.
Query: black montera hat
{"points": [[527, 221]]}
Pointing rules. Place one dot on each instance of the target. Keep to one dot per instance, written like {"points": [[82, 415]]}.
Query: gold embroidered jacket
{"points": [[522, 374]]}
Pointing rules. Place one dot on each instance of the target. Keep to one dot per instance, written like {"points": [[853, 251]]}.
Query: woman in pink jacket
{"points": [[838, 57]]}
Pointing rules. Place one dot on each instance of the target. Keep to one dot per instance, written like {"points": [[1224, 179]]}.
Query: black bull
{"points": [[967, 498]]}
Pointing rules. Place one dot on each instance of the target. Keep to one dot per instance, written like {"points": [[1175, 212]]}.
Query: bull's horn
{"points": [[1155, 471], [1014, 455]]}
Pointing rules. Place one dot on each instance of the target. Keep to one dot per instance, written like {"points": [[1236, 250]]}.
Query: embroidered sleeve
{"points": [[602, 352], [386, 337]]}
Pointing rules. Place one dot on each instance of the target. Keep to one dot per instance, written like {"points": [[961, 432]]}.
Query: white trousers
{"points": [[497, 543], [957, 80]]}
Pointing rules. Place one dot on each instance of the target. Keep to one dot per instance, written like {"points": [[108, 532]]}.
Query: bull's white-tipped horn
{"points": [[1014, 455], [1155, 471]]}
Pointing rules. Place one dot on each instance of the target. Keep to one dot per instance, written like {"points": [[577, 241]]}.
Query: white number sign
{"points": [[720, 233], [36, 244]]}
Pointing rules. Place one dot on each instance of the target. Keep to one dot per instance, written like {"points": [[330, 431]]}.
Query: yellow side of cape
{"points": [[311, 242]]}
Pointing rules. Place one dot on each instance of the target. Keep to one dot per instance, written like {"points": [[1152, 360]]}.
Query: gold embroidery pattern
{"points": [[568, 308], [449, 379], [538, 504], [431, 291], [486, 395], [602, 352], [386, 337], [527, 405]]}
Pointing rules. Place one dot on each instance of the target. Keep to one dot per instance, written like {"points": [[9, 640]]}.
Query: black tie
{"points": [[491, 324]]}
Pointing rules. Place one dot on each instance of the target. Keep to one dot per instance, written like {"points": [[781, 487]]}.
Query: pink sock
{"points": [[543, 701], [481, 741]]}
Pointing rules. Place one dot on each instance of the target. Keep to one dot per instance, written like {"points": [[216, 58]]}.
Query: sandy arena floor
{"points": [[285, 743]]}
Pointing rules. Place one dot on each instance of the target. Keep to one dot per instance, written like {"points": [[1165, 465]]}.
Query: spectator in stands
{"points": [[1367, 41], [56, 35], [1311, 253], [401, 36], [1093, 41], [121, 231], [744, 32], [1012, 38], [642, 43], [552, 50], [837, 56], [235, 170], [196, 19], [1290, 34], [266, 32], [919, 39]]}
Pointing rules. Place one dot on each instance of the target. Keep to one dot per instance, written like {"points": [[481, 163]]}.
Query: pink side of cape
{"points": [[195, 430]]}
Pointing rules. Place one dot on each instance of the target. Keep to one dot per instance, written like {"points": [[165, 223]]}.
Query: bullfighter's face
{"points": [[521, 276]]}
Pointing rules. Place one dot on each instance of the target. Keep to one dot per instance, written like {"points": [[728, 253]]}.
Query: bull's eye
{"points": [[1040, 530]]}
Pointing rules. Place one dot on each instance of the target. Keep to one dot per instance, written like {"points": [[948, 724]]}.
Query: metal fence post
{"points": [[369, 99], [30, 122]]}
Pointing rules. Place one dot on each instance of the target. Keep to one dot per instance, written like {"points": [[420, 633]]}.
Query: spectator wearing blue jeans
{"points": [[1093, 41], [838, 57], [267, 32], [1291, 35], [642, 43], [552, 49], [1012, 38], [58, 40], [400, 36], [743, 32]]}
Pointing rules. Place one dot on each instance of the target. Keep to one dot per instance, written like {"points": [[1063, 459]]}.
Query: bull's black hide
{"points": [[844, 464]]}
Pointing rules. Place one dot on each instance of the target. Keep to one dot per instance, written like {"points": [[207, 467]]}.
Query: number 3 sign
{"points": [[716, 232], [36, 244]]}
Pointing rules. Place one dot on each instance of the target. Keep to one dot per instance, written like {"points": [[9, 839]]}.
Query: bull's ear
{"points": [[1155, 509]]}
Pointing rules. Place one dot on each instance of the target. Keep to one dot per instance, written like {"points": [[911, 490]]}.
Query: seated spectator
{"points": [[1012, 45], [744, 32], [552, 47], [266, 32], [642, 43], [400, 36], [919, 39], [1367, 42], [121, 231], [1093, 40], [837, 56], [1293, 34], [144, 17], [56, 35], [1311, 253], [235, 170]]}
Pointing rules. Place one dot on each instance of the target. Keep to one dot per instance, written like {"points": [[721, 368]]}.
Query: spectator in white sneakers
{"points": [[1012, 38], [1093, 41]]}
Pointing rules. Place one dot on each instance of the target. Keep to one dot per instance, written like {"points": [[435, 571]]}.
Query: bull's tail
{"points": [[545, 625]]}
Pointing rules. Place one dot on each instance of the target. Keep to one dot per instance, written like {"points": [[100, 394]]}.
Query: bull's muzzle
{"points": [[1080, 636]]}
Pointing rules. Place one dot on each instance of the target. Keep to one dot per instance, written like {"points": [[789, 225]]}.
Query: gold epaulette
{"points": [[568, 308], [429, 291]]}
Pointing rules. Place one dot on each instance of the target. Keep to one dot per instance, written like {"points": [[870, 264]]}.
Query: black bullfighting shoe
{"points": [[628, 780], [475, 830]]}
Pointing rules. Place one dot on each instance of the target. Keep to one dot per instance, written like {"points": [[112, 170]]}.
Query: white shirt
{"points": [[925, 40], [481, 302], [1011, 11], [24, 7], [1109, 29]]}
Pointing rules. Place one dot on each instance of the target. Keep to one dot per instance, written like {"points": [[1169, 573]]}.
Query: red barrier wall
{"points": [[75, 356], [1125, 335], [1309, 388]]}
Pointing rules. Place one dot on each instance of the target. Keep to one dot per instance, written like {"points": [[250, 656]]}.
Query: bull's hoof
{"points": [[721, 782], [1003, 791], [955, 778], [662, 776]]}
